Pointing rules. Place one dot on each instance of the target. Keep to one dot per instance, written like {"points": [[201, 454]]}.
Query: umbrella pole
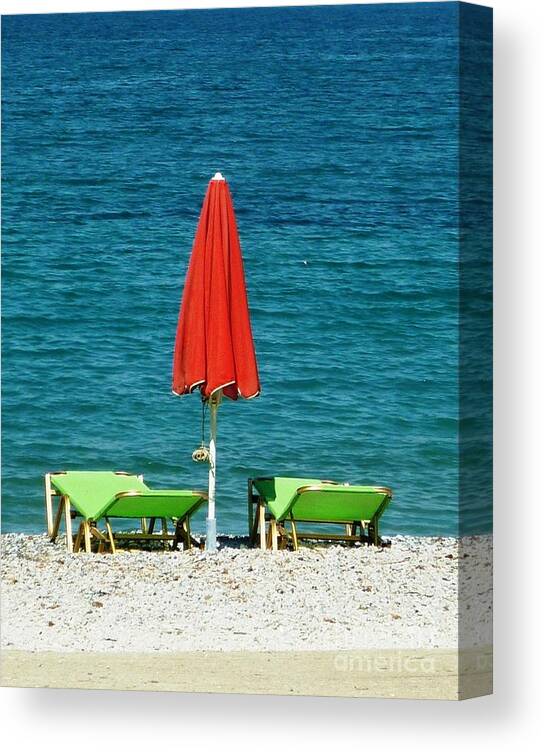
{"points": [[211, 525]]}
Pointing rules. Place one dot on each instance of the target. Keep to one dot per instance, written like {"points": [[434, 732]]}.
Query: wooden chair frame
{"points": [[276, 536], [89, 533]]}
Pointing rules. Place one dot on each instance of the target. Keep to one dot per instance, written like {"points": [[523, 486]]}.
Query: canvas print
{"points": [[246, 343]]}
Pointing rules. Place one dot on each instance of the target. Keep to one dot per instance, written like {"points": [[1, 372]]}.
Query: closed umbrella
{"points": [[214, 351]]}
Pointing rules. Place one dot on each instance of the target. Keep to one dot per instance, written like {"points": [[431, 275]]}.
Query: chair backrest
{"points": [[279, 491], [90, 492], [335, 503]]}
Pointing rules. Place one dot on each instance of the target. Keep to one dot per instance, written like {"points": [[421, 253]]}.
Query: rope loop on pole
{"points": [[202, 453]]}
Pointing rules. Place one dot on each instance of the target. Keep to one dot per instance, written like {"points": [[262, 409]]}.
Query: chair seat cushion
{"points": [[157, 503], [321, 501]]}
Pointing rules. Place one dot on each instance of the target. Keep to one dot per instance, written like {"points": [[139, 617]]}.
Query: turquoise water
{"points": [[337, 130]]}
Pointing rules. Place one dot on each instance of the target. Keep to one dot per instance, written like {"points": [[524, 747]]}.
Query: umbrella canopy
{"points": [[214, 351]]}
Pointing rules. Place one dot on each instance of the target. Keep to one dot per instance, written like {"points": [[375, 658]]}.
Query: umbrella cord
{"points": [[202, 453]]}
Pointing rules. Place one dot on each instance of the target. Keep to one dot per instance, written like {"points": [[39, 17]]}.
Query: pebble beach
{"points": [[238, 599]]}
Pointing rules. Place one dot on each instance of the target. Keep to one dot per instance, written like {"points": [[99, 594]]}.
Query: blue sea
{"points": [[337, 129]]}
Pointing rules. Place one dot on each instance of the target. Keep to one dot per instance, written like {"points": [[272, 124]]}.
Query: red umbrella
{"points": [[214, 350]]}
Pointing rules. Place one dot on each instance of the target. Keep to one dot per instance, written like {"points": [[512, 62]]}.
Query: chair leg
{"points": [[99, 536], [187, 526], [68, 524], [182, 535], [274, 534], [282, 537], [164, 528], [58, 517], [357, 530], [110, 536], [178, 534], [362, 527], [48, 504], [254, 530], [375, 535], [262, 525], [79, 536], [294, 535], [87, 536], [250, 520]]}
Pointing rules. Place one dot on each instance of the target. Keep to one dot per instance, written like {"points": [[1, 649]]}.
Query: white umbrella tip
{"points": [[218, 176]]}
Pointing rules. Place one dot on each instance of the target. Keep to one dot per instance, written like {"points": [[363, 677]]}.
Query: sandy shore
{"points": [[421, 674], [138, 618]]}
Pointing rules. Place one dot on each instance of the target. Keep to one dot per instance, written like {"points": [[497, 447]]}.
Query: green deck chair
{"points": [[95, 496], [310, 500]]}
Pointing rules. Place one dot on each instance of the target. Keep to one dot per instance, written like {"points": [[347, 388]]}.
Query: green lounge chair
{"points": [[93, 496], [309, 500]]}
